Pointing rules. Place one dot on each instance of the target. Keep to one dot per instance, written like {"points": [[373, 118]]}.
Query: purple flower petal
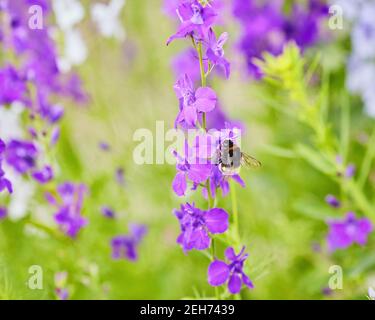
{"points": [[179, 184], [217, 220], [218, 273], [234, 284]]}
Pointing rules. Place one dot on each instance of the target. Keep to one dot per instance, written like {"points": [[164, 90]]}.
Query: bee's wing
{"points": [[249, 161]]}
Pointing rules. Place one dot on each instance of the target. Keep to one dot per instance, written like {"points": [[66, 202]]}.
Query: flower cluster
{"points": [[187, 62], [361, 66], [200, 163], [265, 27]]}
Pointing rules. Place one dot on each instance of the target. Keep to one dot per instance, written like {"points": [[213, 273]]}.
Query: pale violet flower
{"points": [[107, 19], [350, 8], [371, 293], [363, 35]]}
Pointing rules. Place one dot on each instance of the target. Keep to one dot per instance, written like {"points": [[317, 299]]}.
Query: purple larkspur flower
{"points": [[49, 111], [125, 246], [333, 201], [220, 272], [215, 51], [3, 213], [195, 20], [196, 226], [4, 182], [192, 102], [344, 233], [21, 155], [108, 212], [69, 206], [220, 181], [13, 86], [189, 167], [43, 175]]}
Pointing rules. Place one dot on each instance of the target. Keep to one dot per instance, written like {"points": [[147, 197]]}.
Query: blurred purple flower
{"points": [[104, 146], [220, 272], [44, 175], [350, 171], [69, 206], [13, 86], [62, 293], [120, 176], [333, 201], [3, 213], [196, 225], [108, 212], [195, 20], [265, 27], [21, 155], [125, 246], [344, 233]]}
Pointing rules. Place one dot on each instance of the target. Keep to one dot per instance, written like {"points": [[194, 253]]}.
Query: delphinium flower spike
{"points": [[200, 165]]}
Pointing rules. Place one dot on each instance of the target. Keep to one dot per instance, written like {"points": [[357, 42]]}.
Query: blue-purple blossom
{"points": [[189, 167], [125, 246], [195, 20], [231, 272], [108, 212], [343, 233], [21, 155], [43, 175], [13, 86], [333, 201], [69, 204], [192, 102], [215, 51], [3, 213], [197, 225]]}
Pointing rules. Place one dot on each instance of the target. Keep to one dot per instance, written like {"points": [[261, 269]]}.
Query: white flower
{"points": [[10, 127], [68, 13], [371, 293], [75, 51], [107, 19], [23, 192]]}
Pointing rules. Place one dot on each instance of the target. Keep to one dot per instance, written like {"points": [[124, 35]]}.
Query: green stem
{"points": [[367, 161], [235, 212], [204, 126]]}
